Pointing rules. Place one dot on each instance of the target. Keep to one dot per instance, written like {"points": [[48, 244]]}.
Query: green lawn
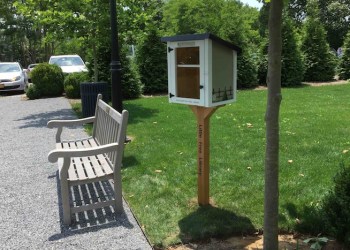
{"points": [[160, 176]]}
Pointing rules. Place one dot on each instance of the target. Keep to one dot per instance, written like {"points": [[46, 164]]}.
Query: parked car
{"points": [[69, 63], [12, 77], [30, 69]]}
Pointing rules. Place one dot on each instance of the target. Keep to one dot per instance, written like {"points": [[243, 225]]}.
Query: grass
{"points": [[160, 176]]}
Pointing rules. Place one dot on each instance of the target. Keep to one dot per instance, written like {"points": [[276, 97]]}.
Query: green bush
{"points": [[292, 64], [33, 92], [48, 79], [247, 76], [319, 60], [131, 85], [72, 84], [337, 207], [262, 70], [151, 58], [292, 68], [344, 67]]}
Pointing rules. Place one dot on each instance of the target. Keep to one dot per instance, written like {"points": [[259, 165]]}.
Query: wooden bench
{"points": [[93, 159]]}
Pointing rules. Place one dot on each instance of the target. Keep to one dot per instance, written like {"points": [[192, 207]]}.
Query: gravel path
{"points": [[31, 213]]}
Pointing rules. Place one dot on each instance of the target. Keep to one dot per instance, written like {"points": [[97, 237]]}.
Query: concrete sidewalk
{"points": [[29, 202]]}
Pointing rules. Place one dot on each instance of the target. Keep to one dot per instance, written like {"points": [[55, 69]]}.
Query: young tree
{"points": [[344, 67], [272, 126]]}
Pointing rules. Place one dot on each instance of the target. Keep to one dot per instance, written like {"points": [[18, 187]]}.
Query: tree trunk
{"points": [[272, 127]]}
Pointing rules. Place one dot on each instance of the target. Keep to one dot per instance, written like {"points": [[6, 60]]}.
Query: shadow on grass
{"points": [[209, 221], [138, 113], [130, 161], [309, 218]]}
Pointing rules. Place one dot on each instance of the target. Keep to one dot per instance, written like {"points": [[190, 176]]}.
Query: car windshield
{"points": [[67, 61], [9, 67]]}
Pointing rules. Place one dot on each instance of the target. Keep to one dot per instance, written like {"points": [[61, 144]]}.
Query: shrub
{"points": [[151, 58], [319, 60], [292, 64], [72, 84], [344, 67], [131, 86], [247, 76], [48, 79], [33, 92], [262, 71], [337, 206], [292, 68]]}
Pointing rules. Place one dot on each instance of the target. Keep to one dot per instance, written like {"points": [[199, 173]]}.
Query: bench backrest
{"points": [[109, 127]]}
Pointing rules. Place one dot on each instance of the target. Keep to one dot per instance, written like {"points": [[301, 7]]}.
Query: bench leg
{"points": [[65, 202], [118, 195]]}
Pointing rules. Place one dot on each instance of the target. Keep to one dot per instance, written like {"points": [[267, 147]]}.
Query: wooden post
{"points": [[203, 116]]}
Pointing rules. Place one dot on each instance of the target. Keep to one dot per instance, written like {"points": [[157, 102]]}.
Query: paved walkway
{"points": [[31, 213]]}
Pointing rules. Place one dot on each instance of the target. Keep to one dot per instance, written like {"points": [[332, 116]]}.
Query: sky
{"points": [[253, 3]]}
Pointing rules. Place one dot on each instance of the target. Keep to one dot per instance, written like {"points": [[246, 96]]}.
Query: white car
{"points": [[69, 63], [12, 77]]}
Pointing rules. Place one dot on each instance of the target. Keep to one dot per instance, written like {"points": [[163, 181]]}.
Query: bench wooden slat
{"points": [[96, 165], [92, 206], [104, 164], [111, 112], [78, 164], [86, 162], [71, 170]]}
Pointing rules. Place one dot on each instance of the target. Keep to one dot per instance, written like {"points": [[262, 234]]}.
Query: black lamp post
{"points": [[117, 102]]}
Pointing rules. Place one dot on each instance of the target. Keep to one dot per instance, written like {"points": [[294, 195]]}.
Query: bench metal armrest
{"points": [[68, 153], [59, 124]]}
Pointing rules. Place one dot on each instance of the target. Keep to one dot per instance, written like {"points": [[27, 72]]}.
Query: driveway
{"points": [[31, 213]]}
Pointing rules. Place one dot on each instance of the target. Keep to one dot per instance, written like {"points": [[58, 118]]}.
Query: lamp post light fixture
{"points": [[117, 102]]}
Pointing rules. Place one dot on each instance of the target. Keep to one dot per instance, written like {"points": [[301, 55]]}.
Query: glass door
{"points": [[188, 73]]}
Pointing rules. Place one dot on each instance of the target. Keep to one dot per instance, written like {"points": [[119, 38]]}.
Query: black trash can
{"points": [[88, 93]]}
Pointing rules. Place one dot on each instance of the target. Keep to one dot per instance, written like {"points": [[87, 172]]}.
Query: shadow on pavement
{"points": [[93, 220], [40, 119]]}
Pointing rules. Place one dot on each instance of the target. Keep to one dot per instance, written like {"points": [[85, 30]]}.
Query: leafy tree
{"points": [[242, 30], [136, 16], [231, 20], [319, 61], [344, 67], [13, 32], [296, 10], [196, 16], [334, 15]]}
